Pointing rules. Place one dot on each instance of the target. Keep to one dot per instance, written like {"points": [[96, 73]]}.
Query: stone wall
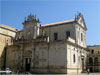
{"points": [[61, 30], [6, 36], [53, 57], [43, 55]]}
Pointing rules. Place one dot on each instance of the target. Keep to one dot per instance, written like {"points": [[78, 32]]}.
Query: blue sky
{"points": [[12, 13]]}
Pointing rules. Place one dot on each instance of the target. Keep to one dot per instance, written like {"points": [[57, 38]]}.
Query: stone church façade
{"points": [[58, 47]]}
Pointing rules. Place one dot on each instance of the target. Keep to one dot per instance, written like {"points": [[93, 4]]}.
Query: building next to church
{"points": [[58, 47], [94, 58], [6, 37]]}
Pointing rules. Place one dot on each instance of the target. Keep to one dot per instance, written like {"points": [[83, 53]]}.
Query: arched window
{"points": [[90, 61], [74, 59], [96, 60]]}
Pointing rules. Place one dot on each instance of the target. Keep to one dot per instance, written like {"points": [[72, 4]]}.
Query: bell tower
{"points": [[31, 27]]}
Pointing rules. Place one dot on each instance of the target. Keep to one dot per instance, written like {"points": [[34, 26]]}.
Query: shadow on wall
{"points": [[3, 59]]}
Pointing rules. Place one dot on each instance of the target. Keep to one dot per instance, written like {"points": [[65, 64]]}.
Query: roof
{"points": [[8, 27], [61, 22], [93, 45], [19, 30]]}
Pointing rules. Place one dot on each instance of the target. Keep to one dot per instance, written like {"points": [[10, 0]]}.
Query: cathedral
{"points": [[58, 47]]}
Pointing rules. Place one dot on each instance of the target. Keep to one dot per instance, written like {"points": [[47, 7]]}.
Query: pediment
{"points": [[80, 21]]}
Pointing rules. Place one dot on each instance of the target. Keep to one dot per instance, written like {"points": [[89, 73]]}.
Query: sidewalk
{"points": [[66, 74]]}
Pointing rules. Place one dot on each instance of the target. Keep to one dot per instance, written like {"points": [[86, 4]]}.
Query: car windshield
{"points": [[7, 68]]}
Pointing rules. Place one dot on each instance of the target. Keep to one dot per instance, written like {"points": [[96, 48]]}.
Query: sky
{"points": [[13, 13]]}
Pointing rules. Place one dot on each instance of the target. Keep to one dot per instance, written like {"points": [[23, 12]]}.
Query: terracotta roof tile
{"points": [[8, 27], [66, 21]]}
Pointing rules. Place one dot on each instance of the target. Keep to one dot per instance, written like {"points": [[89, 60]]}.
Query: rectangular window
{"points": [[74, 58], [81, 37], [92, 51], [67, 34], [55, 36]]}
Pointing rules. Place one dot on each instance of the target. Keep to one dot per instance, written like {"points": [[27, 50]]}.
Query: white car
{"points": [[7, 71]]}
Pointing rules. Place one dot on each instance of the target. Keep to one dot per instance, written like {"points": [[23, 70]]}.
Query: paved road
{"points": [[68, 74]]}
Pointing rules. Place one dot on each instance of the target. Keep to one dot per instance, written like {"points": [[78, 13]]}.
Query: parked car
{"points": [[7, 71]]}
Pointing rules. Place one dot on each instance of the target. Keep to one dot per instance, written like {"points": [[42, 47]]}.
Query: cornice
{"points": [[5, 35], [8, 29]]}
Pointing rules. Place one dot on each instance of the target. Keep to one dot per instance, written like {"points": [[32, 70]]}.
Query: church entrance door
{"points": [[27, 64], [91, 69]]}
